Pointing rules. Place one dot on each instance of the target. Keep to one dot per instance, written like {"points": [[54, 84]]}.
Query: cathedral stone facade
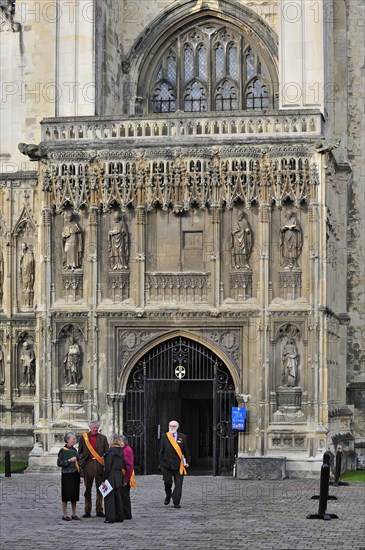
{"points": [[180, 228]]}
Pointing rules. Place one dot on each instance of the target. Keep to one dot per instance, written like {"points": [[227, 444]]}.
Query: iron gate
{"points": [[179, 359]]}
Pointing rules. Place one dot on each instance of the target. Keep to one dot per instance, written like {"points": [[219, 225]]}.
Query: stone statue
{"points": [[2, 366], [27, 358], [291, 243], [72, 364], [290, 363], [34, 152], [241, 243], [26, 273], [72, 243], [119, 244]]}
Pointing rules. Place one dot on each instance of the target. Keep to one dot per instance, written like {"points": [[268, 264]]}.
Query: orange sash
{"points": [[182, 469], [76, 461], [92, 450], [132, 481]]}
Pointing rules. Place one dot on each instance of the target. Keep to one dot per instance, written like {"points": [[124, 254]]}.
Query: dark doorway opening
{"points": [[182, 380]]}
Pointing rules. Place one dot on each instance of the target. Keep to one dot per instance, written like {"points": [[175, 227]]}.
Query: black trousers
{"points": [[114, 506], [126, 499], [168, 476]]}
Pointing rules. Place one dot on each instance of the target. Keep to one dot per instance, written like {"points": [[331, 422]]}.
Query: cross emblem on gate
{"points": [[180, 372]]}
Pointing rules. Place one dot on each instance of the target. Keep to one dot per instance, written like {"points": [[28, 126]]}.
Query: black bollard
{"points": [[337, 481], [7, 464], [326, 460], [323, 491]]}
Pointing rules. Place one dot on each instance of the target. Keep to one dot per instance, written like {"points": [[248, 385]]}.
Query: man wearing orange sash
{"points": [[92, 447], [174, 459]]}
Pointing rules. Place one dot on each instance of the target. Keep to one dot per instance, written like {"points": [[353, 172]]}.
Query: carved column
{"points": [[92, 259], [142, 169], [216, 255], [265, 285]]}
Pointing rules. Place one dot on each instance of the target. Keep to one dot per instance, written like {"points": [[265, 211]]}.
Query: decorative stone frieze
{"points": [[177, 287], [241, 285], [119, 286], [73, 286]]}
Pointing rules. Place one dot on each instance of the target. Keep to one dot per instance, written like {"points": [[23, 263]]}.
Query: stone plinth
{"points": [[261, 468], [289, 400]]}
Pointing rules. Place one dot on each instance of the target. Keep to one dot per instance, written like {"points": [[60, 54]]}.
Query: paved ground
{"points": [[216, 514]]}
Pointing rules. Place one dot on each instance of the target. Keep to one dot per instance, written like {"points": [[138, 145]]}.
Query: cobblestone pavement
{"points": [[216, 514]]}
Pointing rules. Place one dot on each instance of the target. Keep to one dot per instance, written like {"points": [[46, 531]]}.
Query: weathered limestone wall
{"points": [[356, 257]]}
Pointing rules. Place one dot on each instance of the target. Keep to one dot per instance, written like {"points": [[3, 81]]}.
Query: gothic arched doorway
{"points": [[181, 379]]}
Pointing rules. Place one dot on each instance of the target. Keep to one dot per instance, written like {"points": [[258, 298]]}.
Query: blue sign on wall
{"points": [[238, 418]]}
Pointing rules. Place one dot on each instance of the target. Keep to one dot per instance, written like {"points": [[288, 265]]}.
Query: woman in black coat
{"points": [[113, 465], [71, 477]]}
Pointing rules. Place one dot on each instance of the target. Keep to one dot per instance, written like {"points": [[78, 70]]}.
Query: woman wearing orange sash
{"points": [[71, 477]]}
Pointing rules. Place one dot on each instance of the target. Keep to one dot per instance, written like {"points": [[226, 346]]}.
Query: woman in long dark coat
{"points": [[113, 465], [71, 477]]}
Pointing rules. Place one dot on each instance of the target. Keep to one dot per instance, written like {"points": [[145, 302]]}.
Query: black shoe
{"points": [[177, 506], [167, 500], [106, 521], [87, 515], [75, 517], [101, 515], [66, 518]]}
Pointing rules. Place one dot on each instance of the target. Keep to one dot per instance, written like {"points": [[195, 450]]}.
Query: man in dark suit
{"points": [[174, 459], [92, 447]]}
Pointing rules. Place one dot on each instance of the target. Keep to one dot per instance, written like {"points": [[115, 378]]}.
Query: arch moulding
{"points": [[123, 379]]}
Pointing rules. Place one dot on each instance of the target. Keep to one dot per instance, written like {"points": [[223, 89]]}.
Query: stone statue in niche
{"points": [[2, 366], [72, 243], [241, 243], [26, 274], [72, 367], [27, 357], [118, 243], [290, 358], [291, 243]]}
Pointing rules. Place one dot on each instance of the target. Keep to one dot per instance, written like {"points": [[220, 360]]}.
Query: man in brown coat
{"points": [[92, 447]]}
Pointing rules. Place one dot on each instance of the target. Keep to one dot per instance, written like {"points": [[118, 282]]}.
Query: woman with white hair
{"points": [[71, 477]]}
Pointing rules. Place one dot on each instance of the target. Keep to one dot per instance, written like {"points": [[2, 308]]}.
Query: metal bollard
{"points": [[7, 464], [323, 491], [337, 481]]}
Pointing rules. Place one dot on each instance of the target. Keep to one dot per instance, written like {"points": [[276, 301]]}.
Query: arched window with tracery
{"points": [[209, 67]]}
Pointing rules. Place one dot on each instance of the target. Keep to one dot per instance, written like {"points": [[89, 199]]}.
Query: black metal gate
{"points": [[160, 373]]}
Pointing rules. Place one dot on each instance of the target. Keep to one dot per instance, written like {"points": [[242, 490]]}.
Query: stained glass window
{"points": [[218, 70], [163, 99], [226, 98], [257, 96], [195, 98]]}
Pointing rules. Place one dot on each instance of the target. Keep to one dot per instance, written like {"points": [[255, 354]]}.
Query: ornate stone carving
{"points": [[119, 286], [289, 400], [290, 361], [73, 285], [72, 243], [118, 243], [177, 287], [180, 179], [241, 243], [72, 364], [291, 243], [26, 274], [72, 396], [241, 285], [28, 360]]}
